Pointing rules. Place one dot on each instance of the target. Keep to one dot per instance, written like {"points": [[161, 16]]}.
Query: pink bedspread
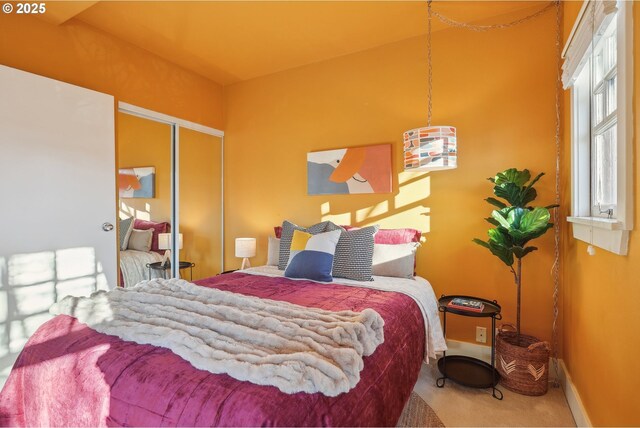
{"points": [[69, 374]]}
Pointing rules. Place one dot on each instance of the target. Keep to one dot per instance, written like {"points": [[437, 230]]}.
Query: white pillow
{"points": [[140, 240], [395, 260], [273, 253]]}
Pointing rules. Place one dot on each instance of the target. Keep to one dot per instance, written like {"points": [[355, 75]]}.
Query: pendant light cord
{"points": [[556, 212], [555, 270], [473, 27]]}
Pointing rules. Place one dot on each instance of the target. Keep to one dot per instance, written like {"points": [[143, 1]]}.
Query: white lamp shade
{"points": [[431, 148], [164, 241], [245, 247]]}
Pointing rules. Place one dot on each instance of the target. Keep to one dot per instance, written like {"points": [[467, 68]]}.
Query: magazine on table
{"points": [[466, 304]]}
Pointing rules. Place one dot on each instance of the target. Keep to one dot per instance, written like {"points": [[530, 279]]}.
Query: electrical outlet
{"points": [[481, 334]]}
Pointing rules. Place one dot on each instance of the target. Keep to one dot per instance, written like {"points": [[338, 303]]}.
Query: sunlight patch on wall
{"points": [[405, 177], [127, 211], [34, 299], [101, 278], [75, 262], [30, 269], [31, 283], [376, 210], [404, 209], [412, 189], [337, 218], [75, 287], [325, 208]]}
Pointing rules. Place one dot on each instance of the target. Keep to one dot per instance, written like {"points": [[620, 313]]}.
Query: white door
{"points": [[57, 188]]}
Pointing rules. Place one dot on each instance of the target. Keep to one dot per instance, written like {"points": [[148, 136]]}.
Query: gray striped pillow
{"points": [[354, 254], [126, 226], [287, 236]]}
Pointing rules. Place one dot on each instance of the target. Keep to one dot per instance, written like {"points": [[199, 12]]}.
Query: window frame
{"points": [[611, 234]]}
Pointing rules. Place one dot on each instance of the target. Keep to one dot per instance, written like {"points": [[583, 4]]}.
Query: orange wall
{"points": [[143, 142], [200, 201], [496, 87], [81, 55], [77, 53], [601, 295]]}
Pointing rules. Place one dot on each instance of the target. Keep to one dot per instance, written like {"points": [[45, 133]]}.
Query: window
{"points": [[603, 124], [598, 68]]}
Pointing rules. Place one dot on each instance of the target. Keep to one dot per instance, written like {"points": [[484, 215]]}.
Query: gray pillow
{"points": [[354, 254], [140, 240], [287, 236], [273, 253], [126, 226], [394, 259]]}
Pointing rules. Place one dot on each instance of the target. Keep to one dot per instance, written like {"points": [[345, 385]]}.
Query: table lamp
{"points": [[245, 248], [164, 243]]}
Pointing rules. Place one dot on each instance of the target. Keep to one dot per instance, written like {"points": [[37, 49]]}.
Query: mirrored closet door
{"points": [[170, 197], [200, 203]]}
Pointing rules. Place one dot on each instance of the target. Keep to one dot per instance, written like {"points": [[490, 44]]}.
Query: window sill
{"points": [[608, 234]]}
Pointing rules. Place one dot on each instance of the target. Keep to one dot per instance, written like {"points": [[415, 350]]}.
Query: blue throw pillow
{"points": [[311, 256]]}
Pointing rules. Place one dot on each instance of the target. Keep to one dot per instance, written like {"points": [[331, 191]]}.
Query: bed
{"points": [[69, 374], [134, 259]]}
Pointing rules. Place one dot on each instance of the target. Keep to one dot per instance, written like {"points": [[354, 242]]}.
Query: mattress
{"points": [[69, 374]]}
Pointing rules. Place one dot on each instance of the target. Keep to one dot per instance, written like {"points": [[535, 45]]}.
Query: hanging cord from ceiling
{"points": [[555, 269], [556, 212], [473, 27]]}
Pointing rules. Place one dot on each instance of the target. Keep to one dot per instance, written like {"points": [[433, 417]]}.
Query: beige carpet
{"points": [[417, 413], [458, 406]]}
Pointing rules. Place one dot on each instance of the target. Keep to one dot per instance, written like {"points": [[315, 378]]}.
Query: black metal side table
{"points": [[469, 371], [167, 268]]}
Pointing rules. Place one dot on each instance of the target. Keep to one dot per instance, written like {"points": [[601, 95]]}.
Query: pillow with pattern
{"points": [[354, 254], [311, 256], [126, 226], [287, 235]]}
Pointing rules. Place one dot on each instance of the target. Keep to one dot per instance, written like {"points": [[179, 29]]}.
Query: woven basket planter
{"points": [[523, 364]]}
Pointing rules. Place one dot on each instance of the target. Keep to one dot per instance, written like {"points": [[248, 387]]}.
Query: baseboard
{"points": [[483, 352], [475, 350], [573, 398]]}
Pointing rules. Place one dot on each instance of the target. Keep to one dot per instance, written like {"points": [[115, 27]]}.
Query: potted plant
{"points": [[521, 360]]}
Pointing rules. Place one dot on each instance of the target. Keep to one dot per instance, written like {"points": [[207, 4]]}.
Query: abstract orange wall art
{"points": [[349, 171]]}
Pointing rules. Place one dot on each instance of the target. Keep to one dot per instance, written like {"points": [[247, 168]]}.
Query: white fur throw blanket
{"points": [[266, 342]]}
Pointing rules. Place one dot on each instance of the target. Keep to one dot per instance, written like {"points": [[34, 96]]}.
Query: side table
{"points": [[167, 267], [469, 371]]}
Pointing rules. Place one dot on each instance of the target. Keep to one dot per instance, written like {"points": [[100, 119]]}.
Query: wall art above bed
{"points": [[348, 171], [137, 182]]}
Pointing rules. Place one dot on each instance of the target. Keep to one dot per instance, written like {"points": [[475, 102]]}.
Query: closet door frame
{"points": [[176, 124]]}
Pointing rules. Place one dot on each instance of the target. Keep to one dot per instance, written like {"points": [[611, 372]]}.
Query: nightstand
{"points": [[167, 268], [469, 371]]}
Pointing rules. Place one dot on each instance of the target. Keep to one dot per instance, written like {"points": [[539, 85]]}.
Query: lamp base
{"points": [[245, 264], [166, 259]]}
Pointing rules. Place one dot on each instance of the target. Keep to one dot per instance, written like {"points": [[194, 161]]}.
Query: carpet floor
{"points": [[459, 406]]}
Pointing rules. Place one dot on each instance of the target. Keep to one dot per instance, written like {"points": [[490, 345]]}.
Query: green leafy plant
{"points": [[516, 223]]}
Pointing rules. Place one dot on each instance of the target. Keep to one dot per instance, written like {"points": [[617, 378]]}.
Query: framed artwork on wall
{"points": [[350, 171], [137, 182]]}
